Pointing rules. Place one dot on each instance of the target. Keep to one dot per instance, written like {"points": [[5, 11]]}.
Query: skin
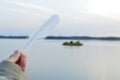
{"points": [[18, 58]]}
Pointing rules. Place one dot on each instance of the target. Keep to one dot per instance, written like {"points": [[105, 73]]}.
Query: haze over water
{"points": [[49, 60]]}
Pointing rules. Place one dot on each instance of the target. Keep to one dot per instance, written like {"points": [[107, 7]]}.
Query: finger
{"points": [[22, 62], [14, 57]]}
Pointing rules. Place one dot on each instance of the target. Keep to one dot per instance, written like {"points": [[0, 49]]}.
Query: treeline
{"points": [[81, 38], [14, 37]]}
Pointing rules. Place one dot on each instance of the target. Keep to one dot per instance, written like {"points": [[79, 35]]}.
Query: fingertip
{"points": [[16, 51]]}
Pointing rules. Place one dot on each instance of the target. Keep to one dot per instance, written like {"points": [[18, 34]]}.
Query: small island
{"points": [[71, 43]]}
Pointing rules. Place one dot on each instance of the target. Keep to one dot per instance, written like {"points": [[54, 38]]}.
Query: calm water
{"points": [[49, 60]]}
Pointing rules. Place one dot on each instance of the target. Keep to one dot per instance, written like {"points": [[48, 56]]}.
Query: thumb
{"points": [[14, 57]]}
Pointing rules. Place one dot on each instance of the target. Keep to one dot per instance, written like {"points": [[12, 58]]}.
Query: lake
{"points": [[49, 60]]}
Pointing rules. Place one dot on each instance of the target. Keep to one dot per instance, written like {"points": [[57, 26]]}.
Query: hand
{"points": [[18, 58]]}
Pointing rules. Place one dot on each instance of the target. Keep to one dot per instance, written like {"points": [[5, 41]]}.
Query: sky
{"points": [[77, 17]]}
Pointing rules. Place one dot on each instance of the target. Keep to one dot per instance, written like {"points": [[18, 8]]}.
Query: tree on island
{"points": [[71, 43]]}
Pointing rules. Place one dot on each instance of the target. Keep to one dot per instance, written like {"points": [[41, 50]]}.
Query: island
{"points": [[13, 37], [82, 38], [71, 43]]}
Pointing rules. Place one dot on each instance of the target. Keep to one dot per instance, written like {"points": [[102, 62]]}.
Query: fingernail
{"points": [[16, 52]]}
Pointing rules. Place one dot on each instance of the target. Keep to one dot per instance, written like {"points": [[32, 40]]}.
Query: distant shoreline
{"points": [[14, 37], [82, 38]]}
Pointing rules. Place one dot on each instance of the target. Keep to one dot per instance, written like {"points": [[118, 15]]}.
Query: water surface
{"points": [[49, 60]]}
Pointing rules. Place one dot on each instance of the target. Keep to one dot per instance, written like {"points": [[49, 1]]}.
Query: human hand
{"points": [[18, 58]]}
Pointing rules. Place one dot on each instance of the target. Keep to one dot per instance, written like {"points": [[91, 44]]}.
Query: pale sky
{"points": [[77, 17]]}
